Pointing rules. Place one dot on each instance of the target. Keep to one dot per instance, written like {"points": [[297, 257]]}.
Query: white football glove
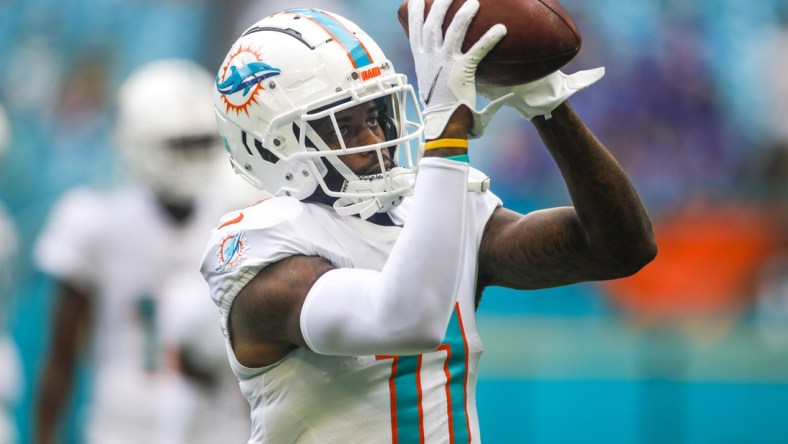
{"points": [[446, 76], [541, 97]]}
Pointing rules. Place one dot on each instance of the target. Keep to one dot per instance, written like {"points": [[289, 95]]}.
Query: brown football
{"points": [[540, 38]]}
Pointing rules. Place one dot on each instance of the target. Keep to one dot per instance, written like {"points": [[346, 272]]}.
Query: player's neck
{"points": [[178, 212], [383, 219]]}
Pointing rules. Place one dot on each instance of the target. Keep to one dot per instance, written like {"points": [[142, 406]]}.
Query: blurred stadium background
{"points": [[693, 350]]}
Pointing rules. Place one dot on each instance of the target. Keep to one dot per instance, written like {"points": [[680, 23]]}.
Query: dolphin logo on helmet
{"points": [[245, 77]]}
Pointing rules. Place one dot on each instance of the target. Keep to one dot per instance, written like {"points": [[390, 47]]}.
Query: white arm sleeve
{"points": [[405, 308]]}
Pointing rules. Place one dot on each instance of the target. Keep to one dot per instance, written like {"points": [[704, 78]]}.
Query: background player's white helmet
{"points": [[293, 68], [166, 130]]}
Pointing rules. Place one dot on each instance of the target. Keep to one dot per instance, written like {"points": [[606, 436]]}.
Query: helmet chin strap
{"points": [[365, 207]]}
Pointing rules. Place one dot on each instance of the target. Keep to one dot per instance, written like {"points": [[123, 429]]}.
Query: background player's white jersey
{"points": [[120, 247], [312, 398]]}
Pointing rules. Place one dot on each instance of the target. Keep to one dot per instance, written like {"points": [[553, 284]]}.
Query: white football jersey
{"points": [[312, 398], [120, 247]]}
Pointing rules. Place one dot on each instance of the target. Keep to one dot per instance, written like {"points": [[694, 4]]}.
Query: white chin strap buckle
{"points": [[364, 209]]}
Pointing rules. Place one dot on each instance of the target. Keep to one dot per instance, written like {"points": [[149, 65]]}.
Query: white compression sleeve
{"points": [[405, 308]]}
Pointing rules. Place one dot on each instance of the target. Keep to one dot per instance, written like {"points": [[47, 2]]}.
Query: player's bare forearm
{"points": [[611, 215], [606, 235], [73, 314]]}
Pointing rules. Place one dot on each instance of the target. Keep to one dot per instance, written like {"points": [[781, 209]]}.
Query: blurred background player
{"points": [[10, 363], [112, 253]]}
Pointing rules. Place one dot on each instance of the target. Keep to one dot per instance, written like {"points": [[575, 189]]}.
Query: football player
{"points": [[112, 254], [348, 300]]}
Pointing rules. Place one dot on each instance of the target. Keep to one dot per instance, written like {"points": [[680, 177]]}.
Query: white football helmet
{"points": [[297, 66], [166, 130]]}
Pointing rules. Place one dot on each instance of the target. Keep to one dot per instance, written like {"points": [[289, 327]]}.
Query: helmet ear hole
{"points": [[265, 153]]}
